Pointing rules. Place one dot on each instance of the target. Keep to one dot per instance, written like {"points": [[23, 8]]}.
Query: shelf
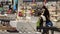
{"points": [[6, 28]]}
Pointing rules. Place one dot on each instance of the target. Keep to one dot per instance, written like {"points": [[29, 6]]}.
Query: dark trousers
{"points": [[45, 31]]}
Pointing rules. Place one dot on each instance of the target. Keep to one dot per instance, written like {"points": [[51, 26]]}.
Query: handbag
{"points": [[49, 23]]}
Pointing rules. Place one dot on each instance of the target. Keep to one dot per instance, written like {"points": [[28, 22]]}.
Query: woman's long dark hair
{"points": [[46, 13]]}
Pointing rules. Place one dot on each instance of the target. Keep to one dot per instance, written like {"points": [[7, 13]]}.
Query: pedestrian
{"points": [[9, 11], [47, 15], [41, 19], [39, 22]]}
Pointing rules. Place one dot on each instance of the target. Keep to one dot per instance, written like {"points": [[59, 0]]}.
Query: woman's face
{"points": [[43, 11]]}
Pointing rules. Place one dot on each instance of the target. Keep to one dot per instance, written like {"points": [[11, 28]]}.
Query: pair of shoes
{"points": [[15, 31], [43, 33]]}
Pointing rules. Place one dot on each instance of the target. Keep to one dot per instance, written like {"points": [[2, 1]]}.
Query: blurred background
{"points": [[23, 16]]}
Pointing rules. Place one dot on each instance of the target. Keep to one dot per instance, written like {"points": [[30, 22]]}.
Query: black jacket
{"points": [[46, 13]]}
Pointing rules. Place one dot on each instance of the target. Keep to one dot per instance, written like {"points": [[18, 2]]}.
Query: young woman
{"points": [[47, 15], [41, 19]]}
